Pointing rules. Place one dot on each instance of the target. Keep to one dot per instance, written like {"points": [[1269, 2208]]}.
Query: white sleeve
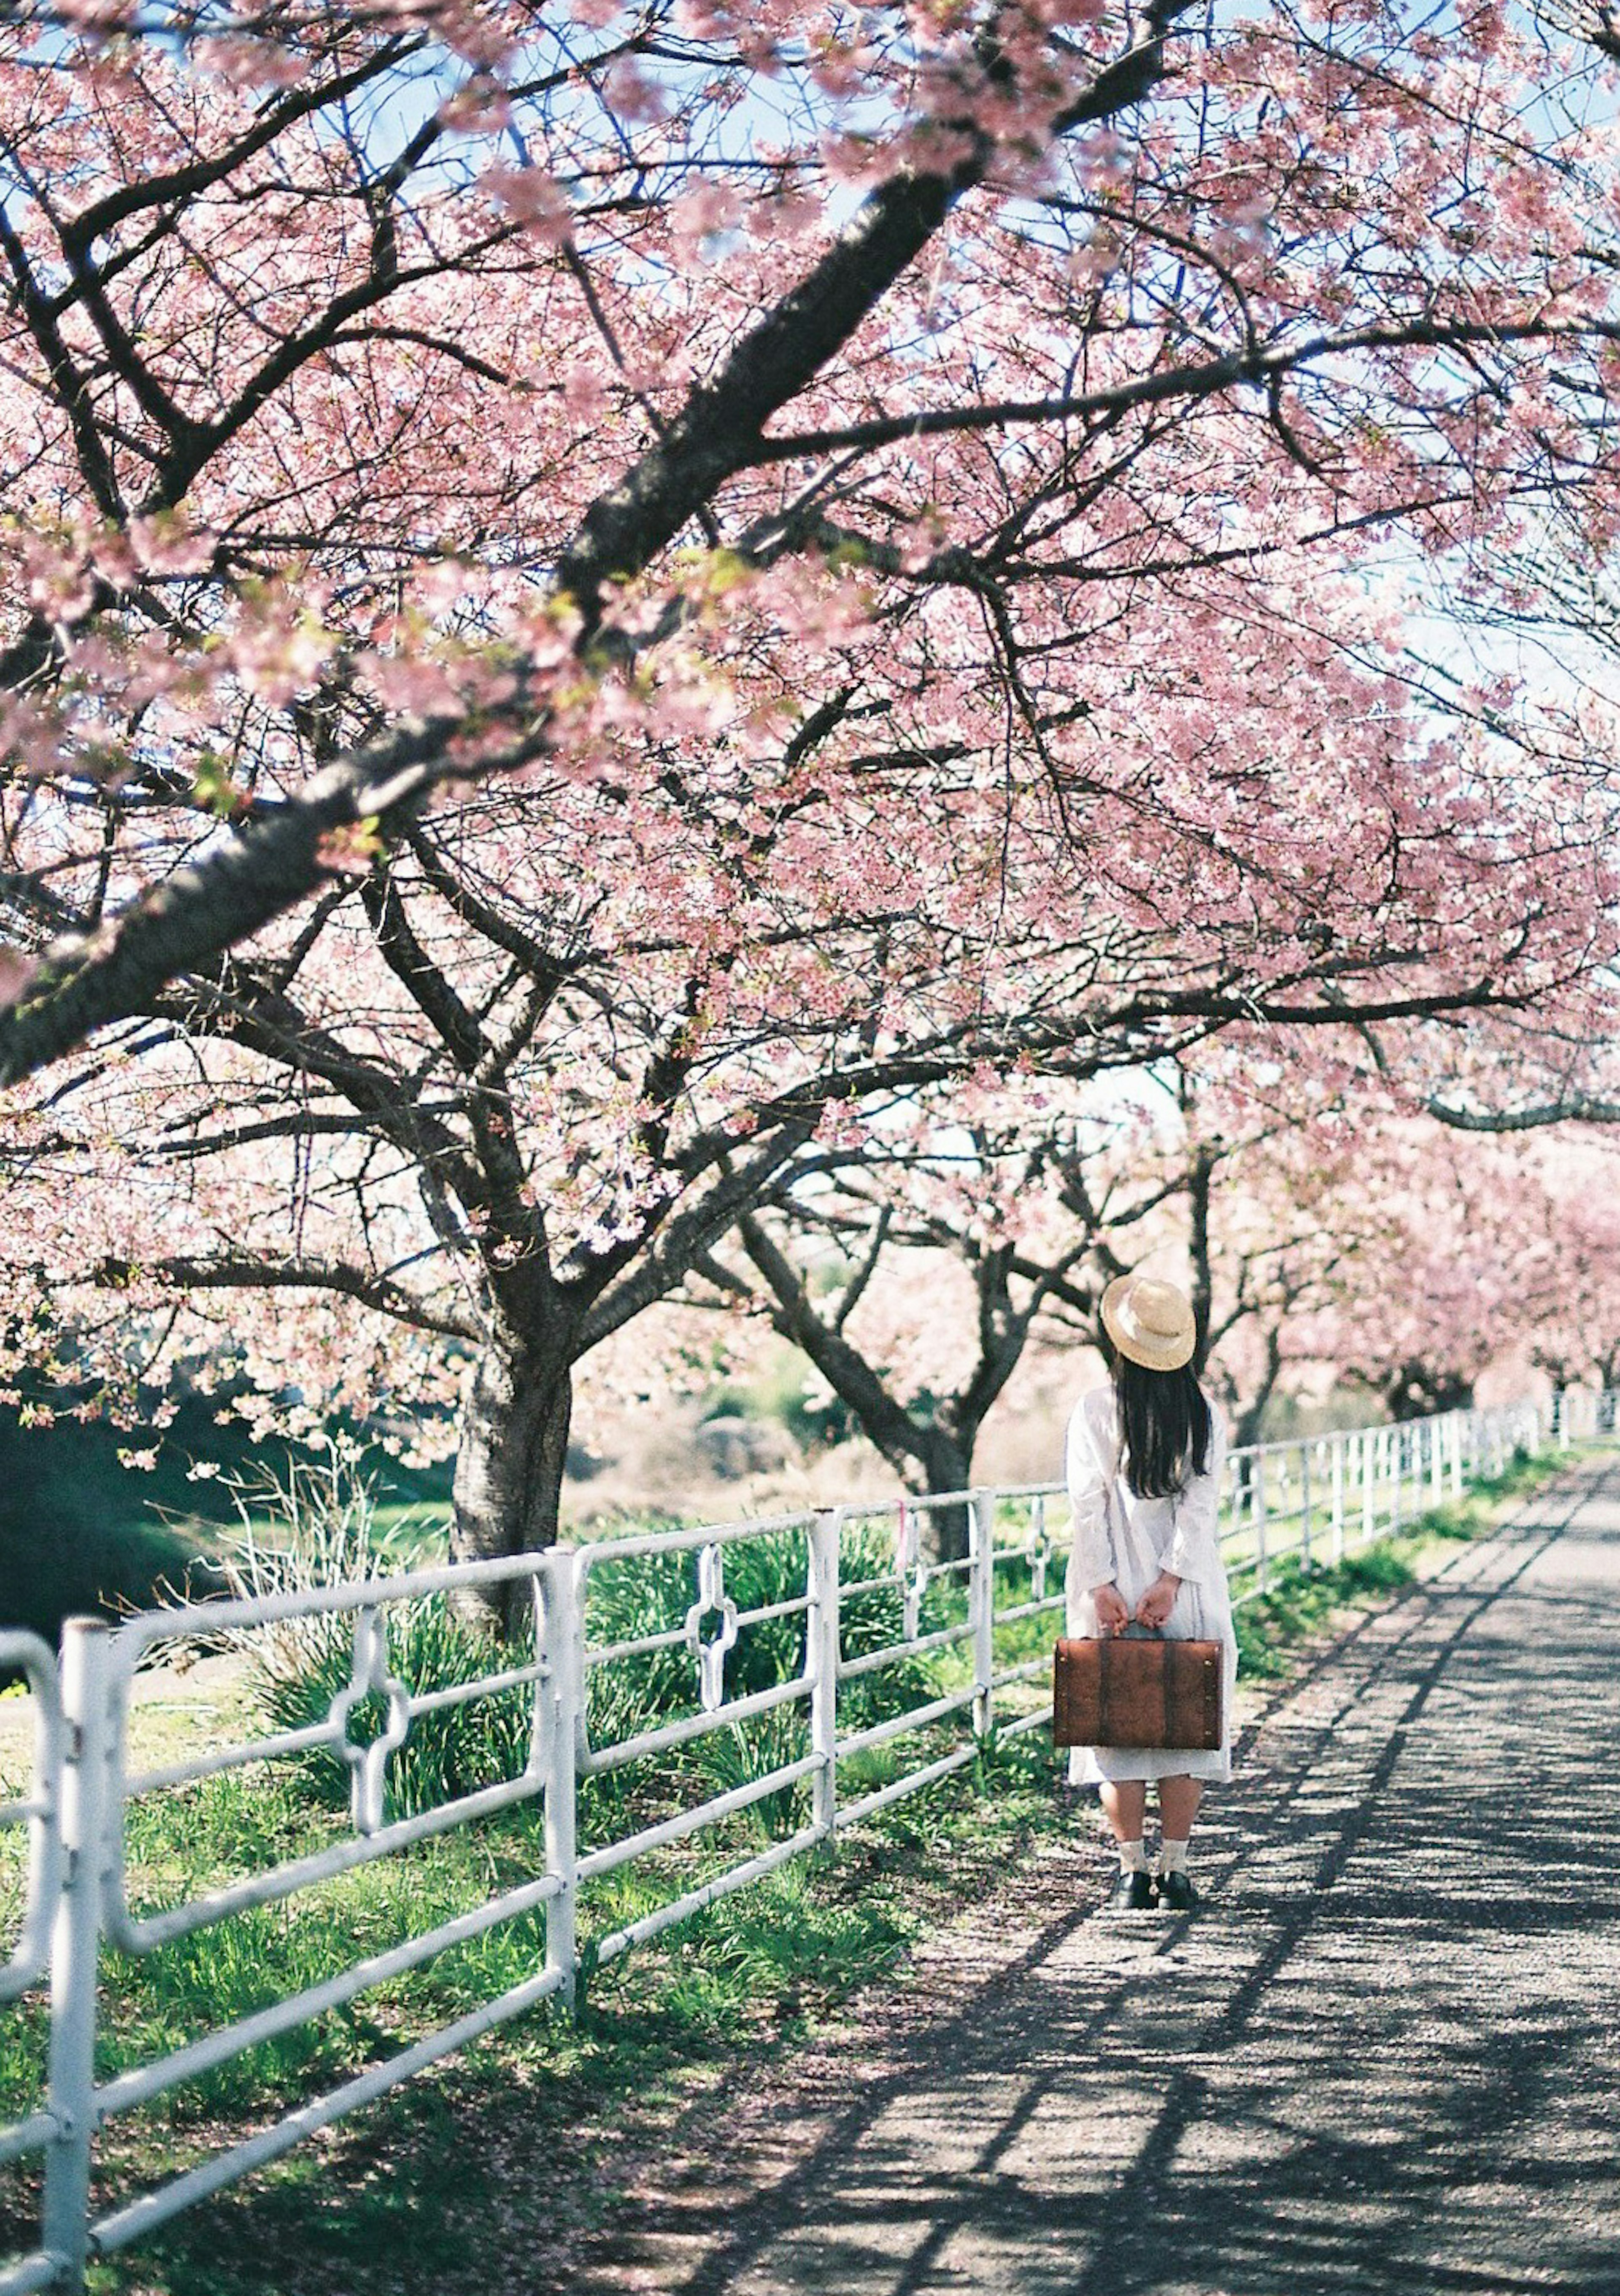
{"points": [[1193, 1551], [1092, 1549]]}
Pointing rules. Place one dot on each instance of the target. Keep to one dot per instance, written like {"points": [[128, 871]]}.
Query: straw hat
{"points": [[1150, 1323]]}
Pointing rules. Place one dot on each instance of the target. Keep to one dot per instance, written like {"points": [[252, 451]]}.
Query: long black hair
{"points": [[1164, 1423]]}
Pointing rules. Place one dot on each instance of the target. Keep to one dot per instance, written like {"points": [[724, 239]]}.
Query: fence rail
{"points": [[871, 1598]]}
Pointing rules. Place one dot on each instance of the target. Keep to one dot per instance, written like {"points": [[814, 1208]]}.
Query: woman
{"points": [[1145, 1457]]}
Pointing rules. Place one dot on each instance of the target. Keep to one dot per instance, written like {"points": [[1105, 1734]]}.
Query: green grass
{"points": [[542, 2102], [520, 2138]]}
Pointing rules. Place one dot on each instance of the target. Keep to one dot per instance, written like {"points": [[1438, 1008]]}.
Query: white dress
{"points": [[1129, 1541]]}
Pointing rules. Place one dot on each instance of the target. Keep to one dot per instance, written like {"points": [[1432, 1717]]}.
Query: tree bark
{"points": [[946, 1458], [930, 1454], [1198, 1184], [508, 1481], [1247, 1423]]}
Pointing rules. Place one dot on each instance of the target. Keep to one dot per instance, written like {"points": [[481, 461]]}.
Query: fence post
{"points": [[1457, 1420], [1562, 1405], [563, 1623], [1257, 1507], [1436, 1462], [1367, 1456], [1305, 1510], [1374, 1475], [1338, 1497], [87, 1790], [821, 1662], [982, 1608]]}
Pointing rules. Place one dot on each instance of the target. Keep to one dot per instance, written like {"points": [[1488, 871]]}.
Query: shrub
{"points": [[322, 1533], [318, 1529]]}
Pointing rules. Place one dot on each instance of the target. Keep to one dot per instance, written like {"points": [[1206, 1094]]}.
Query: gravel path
{"points": [[1382, 2059]]}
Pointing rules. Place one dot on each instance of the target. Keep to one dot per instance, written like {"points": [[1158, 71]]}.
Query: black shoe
{"points": [[1133, 1893], [1177, 1894]]}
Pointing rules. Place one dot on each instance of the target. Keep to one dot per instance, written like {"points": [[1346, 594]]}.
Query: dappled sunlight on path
{"points": [[1382, 2058]]}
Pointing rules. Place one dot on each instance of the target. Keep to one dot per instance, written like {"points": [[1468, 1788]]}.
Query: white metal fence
{"points": [[895, 1657]]}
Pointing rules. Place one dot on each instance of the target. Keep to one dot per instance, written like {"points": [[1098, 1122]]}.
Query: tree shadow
{"points": [[1372, 2062]]}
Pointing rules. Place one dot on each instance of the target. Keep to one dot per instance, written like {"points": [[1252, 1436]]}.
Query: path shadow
{"points": [[1372, 2062]]}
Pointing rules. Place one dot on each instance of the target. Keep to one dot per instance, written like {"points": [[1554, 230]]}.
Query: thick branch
{"points": [[83, 981], [718, 431], [686, 1236], [1571, 1108], [845, 1370], [375, 1292], [1200, 379]]}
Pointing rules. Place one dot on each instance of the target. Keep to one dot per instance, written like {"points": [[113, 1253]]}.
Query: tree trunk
{"points": [[947, 1464], [1605, 1370], [1246, 1424], [1249, 1421], [508, 1481], [1198, 1189]]}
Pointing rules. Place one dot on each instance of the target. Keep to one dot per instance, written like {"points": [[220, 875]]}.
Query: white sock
{"points": [[1173, 1857], [1132, 1856]]}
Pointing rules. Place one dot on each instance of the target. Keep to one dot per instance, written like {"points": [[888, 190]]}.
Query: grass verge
{"points": [[1299, 1607]]}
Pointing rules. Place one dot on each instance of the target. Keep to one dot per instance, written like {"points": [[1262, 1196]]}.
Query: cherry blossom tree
{"points": [[510, 1094], [372, 366], [915, 1274], [1485, 1251], [1337, 1231], [1575, 1336], [1327, 1231], [671, 579]]}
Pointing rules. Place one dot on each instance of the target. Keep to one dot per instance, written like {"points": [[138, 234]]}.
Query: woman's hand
{"points": [[1111, 1611], [1157, 1604]]}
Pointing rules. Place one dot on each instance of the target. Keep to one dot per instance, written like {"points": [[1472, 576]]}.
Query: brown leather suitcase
{"points": [[1137, 1690]]}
